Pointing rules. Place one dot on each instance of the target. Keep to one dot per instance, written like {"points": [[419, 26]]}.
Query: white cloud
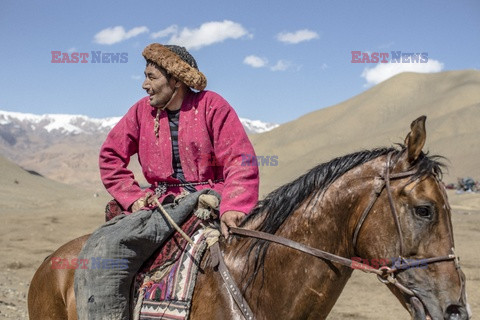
{"points": [[297, 37], [259, 62], [208, 33], [383, 71], [117, 34], [255, 61], [73, 49], [386, 45], [281, 65], [173, 29], [136, 77]]}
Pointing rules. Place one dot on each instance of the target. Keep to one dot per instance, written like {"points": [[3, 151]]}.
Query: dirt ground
{"points": [[31, 231]]}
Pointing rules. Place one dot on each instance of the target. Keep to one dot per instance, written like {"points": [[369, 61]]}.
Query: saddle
{"points": [[163, 287]]}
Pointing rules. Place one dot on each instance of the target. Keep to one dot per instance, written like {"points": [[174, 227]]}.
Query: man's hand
{"points": [[145, 201], [139, 204], [230, 219]]}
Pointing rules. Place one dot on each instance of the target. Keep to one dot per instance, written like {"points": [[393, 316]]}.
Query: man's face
{"points": [[158, 86]]}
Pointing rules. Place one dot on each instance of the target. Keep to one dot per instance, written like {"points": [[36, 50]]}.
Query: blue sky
{"points": [[272, 60]]}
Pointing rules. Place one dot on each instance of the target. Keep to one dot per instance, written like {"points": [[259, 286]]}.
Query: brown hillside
{"points": [[381, 117]]}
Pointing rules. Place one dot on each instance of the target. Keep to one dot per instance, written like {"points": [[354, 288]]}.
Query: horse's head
{"points": [[409, 225]]}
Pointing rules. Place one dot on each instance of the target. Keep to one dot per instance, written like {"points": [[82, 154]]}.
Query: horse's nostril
{"points": [[454, 312]]}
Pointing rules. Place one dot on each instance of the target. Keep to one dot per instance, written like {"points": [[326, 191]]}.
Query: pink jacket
{"points": [[211, 140]]}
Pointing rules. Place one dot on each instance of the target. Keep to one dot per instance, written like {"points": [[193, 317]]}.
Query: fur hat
{"points": [[178, 62]]}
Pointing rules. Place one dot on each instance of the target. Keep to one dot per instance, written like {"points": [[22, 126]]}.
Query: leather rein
{"points": [[385, 274]]}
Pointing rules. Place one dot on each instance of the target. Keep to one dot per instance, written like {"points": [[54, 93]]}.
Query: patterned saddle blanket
{"points": [[164, 286], [166, 293]]}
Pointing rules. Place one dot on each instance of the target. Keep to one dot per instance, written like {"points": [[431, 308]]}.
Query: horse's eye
{"points": [[425, 212]]}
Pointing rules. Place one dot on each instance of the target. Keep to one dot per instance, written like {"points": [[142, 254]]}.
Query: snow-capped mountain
{"points": [[257, 126], [77, 124]]}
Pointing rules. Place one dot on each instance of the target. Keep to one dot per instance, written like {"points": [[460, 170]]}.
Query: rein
{"points": [[385, 274]]}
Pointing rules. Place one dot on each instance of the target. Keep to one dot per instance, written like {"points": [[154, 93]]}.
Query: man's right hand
{"points": [[230, 219]]}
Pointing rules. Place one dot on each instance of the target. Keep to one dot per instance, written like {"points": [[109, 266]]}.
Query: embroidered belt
{"points": [[163, 186]]}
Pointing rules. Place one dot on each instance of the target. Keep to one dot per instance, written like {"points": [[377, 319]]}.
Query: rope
{"points": [[170, 220], [138, 305], [156, 124]]}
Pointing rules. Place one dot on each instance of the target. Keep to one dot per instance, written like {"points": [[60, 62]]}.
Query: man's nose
{"points": [[145, 85]]}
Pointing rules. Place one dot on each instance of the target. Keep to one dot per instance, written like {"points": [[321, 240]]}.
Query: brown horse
{"points": [[324, 209]]}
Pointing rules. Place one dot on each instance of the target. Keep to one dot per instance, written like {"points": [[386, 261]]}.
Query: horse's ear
{"points": [[415, 139]]}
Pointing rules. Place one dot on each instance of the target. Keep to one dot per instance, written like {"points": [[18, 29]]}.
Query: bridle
{"points": [[386, 274], [389, 273], [385, 185]]}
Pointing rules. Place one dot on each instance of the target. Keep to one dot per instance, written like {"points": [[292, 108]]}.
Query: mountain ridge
{"points": [[64, 147], [77, 123]]}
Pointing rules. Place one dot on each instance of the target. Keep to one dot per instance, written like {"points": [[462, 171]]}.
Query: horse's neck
{"points": [[296, 282]]}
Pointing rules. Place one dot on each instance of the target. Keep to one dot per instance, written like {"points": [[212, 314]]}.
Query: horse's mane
{"points": [[278, 205]]}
